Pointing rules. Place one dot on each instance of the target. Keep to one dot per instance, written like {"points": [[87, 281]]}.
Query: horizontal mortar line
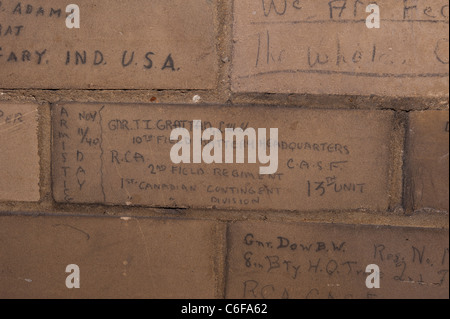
{"points": [[348, 73], [347, 21]]}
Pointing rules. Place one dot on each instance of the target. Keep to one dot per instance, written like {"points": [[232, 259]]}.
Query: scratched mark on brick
{"points": [[272, 260], [121, 155], [109, 51], [324, 47]]}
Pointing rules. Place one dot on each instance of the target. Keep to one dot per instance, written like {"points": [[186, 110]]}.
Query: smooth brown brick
{"points": [[124, 158], [276, 43], [118, 258], [19, 158], [427, 160], [33, 52], [274, 260]]}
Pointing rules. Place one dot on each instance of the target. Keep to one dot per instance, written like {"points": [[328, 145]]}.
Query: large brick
{"points": [[120, 154], [427, 174], [19, 158], [163, 44], [274, 260], [117, 258], [319, 47]]}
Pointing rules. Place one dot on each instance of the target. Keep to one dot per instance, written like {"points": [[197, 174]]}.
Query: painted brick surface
{"points": [[120, 154], [274, 260], [324, 47], [19, 158], [118, 258], [427, 175], [119, 45], [363, 172]]}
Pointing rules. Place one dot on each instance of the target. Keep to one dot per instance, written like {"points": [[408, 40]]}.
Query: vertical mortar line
{"points": [[226, 265], [218, 46], [230, 69], [101, 153], [219, 235], [407, 194], [45, 152], [397, 145], [225, 38]]}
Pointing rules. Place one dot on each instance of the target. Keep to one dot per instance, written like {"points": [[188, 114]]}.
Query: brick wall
{"points": [[86, 177]]}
